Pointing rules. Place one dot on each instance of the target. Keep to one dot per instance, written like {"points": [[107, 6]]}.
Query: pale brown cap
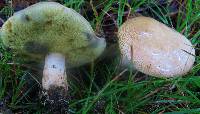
{"points": [[155, 49]]}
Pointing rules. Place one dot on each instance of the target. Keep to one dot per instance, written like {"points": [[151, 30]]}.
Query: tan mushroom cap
{"points": [[155, 49]]}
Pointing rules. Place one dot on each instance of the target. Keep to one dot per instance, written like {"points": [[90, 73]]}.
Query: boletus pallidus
{"points": [[56, 35], [155, 49]]}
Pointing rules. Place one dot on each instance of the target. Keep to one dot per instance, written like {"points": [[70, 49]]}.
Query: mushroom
{"points": [[154, 49], [52, 32]]}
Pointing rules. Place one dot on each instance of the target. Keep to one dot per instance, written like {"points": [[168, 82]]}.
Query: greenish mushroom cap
{"points": [[49, 27]]}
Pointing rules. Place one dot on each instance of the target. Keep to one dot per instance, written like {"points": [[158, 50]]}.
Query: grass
{"points": [[101, 87]]}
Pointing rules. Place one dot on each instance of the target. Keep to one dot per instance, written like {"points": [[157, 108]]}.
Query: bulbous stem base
{"points": [[54, 83]]}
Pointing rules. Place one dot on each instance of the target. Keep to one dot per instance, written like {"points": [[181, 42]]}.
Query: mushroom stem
{"points": [[54, 73]]}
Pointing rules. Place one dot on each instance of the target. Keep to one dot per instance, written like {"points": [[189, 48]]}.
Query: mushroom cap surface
{"points": [[47, 27], [155, 49]]}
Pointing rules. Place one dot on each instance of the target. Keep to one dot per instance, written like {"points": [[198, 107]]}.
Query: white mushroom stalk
{"points": [[54, 73]]}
